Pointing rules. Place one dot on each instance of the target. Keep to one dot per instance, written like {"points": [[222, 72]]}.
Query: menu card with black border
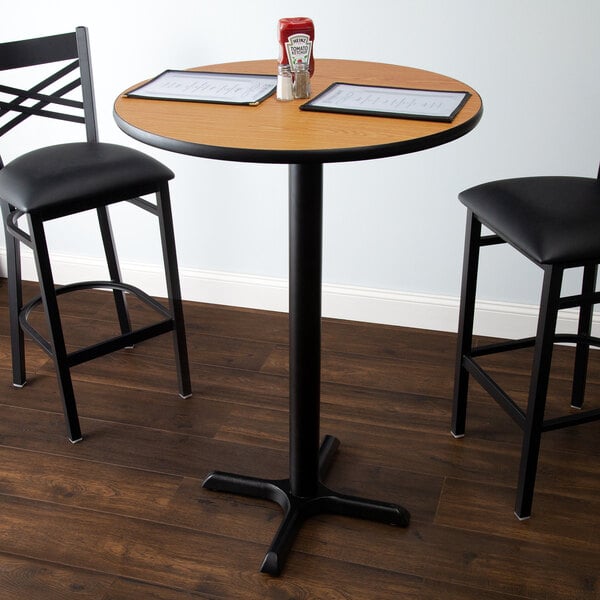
{"points": [[383, 101], [206, 86]]}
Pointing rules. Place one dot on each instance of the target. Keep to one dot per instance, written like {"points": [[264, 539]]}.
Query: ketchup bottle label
{"points": [[298, 49]]}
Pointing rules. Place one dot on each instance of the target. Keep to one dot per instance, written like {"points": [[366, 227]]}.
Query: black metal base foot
{"points": [[297, 509]]}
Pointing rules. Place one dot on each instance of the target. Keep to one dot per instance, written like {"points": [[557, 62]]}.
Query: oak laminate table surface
{"points": [[279, 132]]}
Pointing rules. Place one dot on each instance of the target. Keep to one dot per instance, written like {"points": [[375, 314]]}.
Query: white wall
{"points": [[393, 227]]}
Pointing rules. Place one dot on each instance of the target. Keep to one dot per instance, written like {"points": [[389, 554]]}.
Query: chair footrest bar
{"points": [[101, 285], [492, 388], [509, 345], [505, 346], [507, 403], [575, 419], [119, 342], [116, 343], [572, 338]]}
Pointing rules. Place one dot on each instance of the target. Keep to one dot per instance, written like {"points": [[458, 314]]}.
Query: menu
{"points": [[405, 103], [206, 86]]}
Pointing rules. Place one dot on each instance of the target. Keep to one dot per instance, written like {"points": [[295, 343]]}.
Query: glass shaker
{"points": [[301, 80], [285, 90]]}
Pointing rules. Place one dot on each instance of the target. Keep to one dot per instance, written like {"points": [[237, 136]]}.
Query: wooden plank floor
{"points": [[122, 515]]}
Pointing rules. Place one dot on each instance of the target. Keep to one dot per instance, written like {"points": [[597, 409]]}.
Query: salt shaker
{"points": [[301, 80], [285, 90]]}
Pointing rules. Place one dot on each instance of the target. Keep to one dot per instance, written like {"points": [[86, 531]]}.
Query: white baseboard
{"points": [[422, 311]]}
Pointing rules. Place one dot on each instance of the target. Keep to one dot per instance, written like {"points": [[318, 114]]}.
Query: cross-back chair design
{"points": [[555, 223], [64, 179]]}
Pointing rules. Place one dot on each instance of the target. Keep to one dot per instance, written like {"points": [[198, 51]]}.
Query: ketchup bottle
{"points": [[296, 37]]}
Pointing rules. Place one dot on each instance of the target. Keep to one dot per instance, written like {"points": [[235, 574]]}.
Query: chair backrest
{"points": [[51, 91]]}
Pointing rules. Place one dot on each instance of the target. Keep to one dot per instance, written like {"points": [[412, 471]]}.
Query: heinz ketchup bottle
{"points": [[296, 38]]}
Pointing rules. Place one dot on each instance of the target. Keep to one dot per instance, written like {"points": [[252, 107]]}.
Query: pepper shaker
{"points": [[301, 81]]}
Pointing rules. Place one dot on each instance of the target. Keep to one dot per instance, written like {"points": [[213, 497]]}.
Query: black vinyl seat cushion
{"points": [[550, 219], [75, 176]]}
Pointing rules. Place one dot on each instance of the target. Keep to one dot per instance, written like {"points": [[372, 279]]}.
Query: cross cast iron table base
{"points": [[298, 508]]}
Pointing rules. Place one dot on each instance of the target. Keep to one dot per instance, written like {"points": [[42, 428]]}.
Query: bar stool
{"points": [[64, 179], [555, 223]]}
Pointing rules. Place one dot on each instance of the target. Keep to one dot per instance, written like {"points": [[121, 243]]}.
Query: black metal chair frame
{"points": [[531, 420], [74, 47]]}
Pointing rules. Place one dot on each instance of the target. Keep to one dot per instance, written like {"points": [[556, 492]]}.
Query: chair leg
{"points": [[465, 325], [167, 236], [538, 389], [15, 302], [57, 341], [584, 331], [113, 267]]}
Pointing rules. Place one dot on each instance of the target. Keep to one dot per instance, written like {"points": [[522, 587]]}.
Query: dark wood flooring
{"points": [[122, 516]]}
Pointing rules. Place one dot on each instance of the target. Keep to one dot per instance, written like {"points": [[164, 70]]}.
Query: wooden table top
{"points": [[279, 132]]}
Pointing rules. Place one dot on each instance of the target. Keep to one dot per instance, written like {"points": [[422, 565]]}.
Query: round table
{"points": [[278, 132]]}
